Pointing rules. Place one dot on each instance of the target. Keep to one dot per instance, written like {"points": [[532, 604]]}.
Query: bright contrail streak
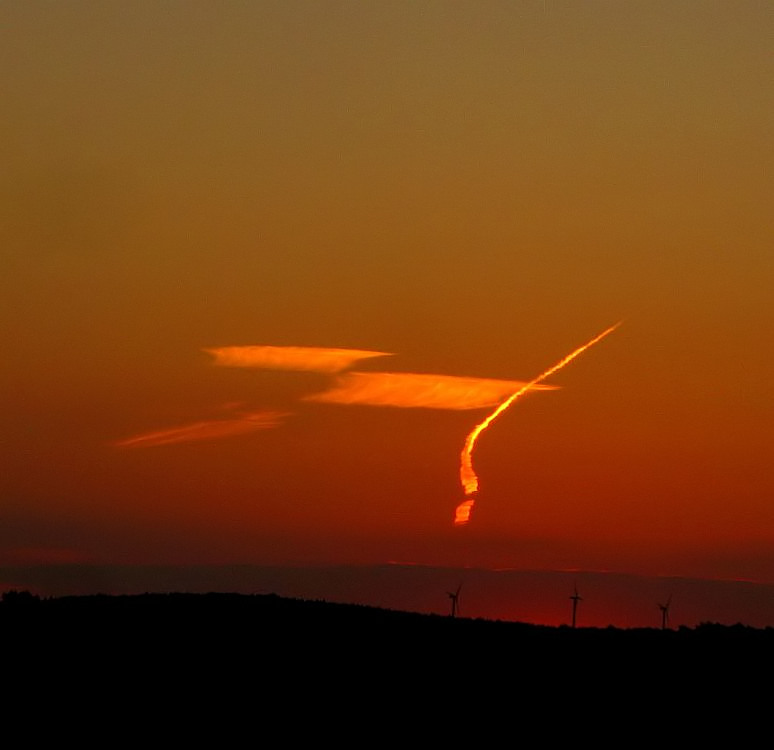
{"points": [[467, 474]]}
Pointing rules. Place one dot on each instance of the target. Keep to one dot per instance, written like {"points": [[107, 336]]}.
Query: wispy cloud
{"points": [[304, 358], [413, 390], [213, 429]]}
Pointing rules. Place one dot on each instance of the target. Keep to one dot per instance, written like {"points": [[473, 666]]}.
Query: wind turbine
{"points": [[665, 613], [454, 600], [576, 597]]}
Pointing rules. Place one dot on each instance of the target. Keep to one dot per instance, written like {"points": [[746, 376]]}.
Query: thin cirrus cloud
{"points": [[213, 429], [396, 389], [301, 358], [415, 390]]}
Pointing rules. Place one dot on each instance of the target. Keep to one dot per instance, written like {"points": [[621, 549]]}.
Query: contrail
{"points": [[467, 474]]}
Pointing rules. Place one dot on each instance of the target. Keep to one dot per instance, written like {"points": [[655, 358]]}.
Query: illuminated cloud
{"points": [[305, 358], [213, 429], [411, 390]]}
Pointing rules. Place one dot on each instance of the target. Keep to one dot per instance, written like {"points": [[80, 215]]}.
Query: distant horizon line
{"points": [[388, 563]]}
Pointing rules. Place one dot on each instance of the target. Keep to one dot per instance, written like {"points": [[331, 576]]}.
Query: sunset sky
{"points": [[460, 189]]}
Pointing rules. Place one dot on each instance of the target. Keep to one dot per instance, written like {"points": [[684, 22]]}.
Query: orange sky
{"points": [[475, 188]]}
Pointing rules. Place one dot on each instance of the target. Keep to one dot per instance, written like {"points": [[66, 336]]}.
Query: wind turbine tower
{"points": [[576, 597], [454, 596], [665, 613]]}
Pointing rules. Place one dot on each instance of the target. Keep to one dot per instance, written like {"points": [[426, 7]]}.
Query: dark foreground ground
{"points": [[241, 667], [269, 628]]}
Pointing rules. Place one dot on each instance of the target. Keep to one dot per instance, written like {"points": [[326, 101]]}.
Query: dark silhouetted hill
{"points": [[269, 627], [187, 658], [623, 600]]}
